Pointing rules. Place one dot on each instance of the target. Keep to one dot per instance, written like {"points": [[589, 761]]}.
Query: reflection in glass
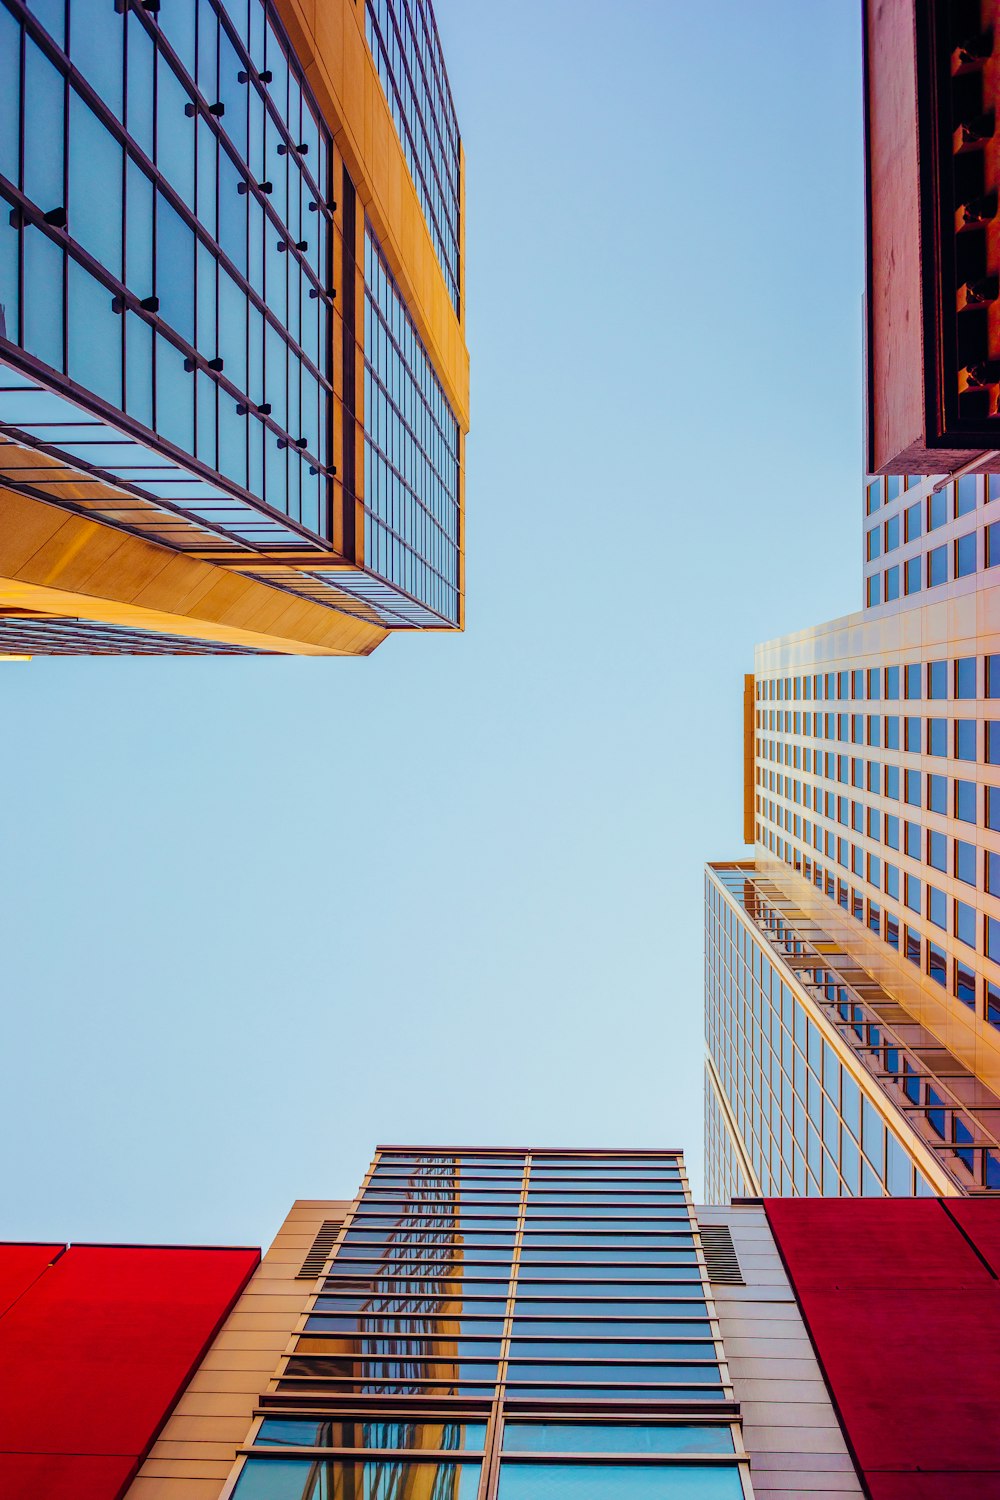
{"points": [[622, 1437], [291, 1432], [333, 1479], [522, 1481]]}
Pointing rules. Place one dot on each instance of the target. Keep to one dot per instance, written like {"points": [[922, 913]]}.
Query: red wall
{"points": [[902, 1301], [96, 1344]]}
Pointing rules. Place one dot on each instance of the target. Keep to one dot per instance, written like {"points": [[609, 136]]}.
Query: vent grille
{"points": [[319, 1254], [720, 1255]]}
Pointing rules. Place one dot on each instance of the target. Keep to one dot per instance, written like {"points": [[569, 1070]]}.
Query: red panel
{"points": [[94, 1355], [61, 1476], [19, 1266], [906, 1322], [979, 1219]]}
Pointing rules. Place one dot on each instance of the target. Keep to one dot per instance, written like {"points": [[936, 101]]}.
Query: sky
{"points": [[261, 915]]}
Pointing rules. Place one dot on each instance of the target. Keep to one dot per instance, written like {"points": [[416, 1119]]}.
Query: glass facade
{"points": [[876, 784], [508, 1321], [812, 1057], [412, 453], [404, 42], [179, 244]]}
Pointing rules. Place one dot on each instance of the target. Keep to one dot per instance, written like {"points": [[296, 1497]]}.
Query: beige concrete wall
{"points": [[790, 1428], [193, 1456]]}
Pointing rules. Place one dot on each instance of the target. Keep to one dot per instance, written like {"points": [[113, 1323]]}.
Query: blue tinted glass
{"points": [[139, 370], [43, 145], [10, 255], [610, 1348], [174, 132], [330, 1479], [557, 1373], [96, 40], [10, 97], [288, 1432], [52, 14], [43, 298], [141, 92], [94, 334], [593, 1437], [174, 396], [95, 187], [529, 1481], [175, 269]]}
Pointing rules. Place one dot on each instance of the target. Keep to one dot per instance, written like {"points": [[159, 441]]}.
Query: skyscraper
{"points": [[494, 1323], [870, 914], [853, 966], [233, 372]]}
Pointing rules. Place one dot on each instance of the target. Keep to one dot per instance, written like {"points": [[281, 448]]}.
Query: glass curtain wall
{"points": [[520, 1324]]}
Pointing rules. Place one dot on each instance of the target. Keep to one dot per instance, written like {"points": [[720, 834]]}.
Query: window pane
{"points": [[94, 337], [593, 1437], [95, 187], [611, 1482], [301, 1479]]}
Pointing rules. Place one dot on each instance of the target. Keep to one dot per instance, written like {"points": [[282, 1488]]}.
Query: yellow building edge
{"points": [[56, 564], [749, 704], [329, 40]]}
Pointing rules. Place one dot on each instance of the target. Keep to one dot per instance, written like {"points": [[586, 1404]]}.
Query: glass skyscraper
{"points": [[509, 1323], [219, 330]]}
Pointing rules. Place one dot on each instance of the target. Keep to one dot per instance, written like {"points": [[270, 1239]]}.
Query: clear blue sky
{"points": [[258, 915]]}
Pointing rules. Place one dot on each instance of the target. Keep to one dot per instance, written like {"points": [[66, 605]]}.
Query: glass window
{"points": [[937, 567], [965, 984], [892, 682], [892, 732], [937, 509], [993, 742], [992, 872], [937, 679], [912, 674], [44, 87], [891, 584], [911, 733], [874, 590], [965, 677], [965, 923], [993, 807], [10, 98], [96, 43], [303, 1479], [620, 1437], [937, 907], [992, 939], [993, 544], [525, 1481], [913, 797], [913, 522], [965, 555], [42, 312], [937, 964], [965, 739], [874, 494], [94, 337], [912, 892], [95, 213], [892, 782], [937, 736], [965, 495], [965, 801], [965, 862], [912, 570], [314, 1432], [874, 543]]}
